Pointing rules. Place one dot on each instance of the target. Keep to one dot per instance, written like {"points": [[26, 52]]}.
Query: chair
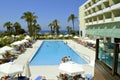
{"points": [[59, 78], [11, 60], [70, 78], [38, 78], [11, 77], [89, 76], [23, 78]]}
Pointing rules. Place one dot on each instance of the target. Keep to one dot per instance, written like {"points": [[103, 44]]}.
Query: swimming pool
{"points": [[51, 53]]}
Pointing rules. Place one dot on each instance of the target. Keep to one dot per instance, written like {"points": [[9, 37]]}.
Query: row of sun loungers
{"points": [[14, 78], [86, 44], [12, 52], [69, 77]]}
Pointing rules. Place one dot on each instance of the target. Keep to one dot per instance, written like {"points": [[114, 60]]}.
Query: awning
{"points": [[106, 30]]}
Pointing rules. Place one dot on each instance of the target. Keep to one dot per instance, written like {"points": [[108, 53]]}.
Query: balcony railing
{"points": [[94, 5], [99, 12], [100, 21], [86, 24], [107, 10], [94, 14], [90, 23], [104, 0], [88, 16], [94, 22], [115, 6], [108, 20], [98, 3], [117, 18]]}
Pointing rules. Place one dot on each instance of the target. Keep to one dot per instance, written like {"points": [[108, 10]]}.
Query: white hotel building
{"points": [[100, 20]]}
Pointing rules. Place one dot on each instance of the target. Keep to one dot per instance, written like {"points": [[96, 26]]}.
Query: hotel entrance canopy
{"points": [[106, 30]]}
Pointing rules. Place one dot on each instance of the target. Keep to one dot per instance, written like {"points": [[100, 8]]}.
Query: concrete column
{"points": [[115, 59], [97, 48], [112, 16]]}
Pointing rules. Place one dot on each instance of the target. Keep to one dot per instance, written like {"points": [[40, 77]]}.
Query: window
{"points": [[106, 52]]}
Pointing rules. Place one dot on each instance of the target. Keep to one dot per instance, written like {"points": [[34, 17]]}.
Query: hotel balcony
{"points": [[88, 16], [90, 7], [91, 15], [104, 0], [116, 6], [85, 17], [94, 22], [94, 14], [108, 20], [87, 9], [98, 3], [100, 21], [86, 24], [94, 5], [107, 10], [99, 12], [90, 23], [116, 18]]}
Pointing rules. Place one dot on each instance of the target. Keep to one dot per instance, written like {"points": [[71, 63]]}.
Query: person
{"points": [[60, 75], [66, 42], [66, 58], [63, 59], [65, 76], [3, 78], [19, 75], [69, 58]]}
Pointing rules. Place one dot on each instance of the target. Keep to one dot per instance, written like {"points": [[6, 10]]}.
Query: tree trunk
{"points": [[73, 24]]}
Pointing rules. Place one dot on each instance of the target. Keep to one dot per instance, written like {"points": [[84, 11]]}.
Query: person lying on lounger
{"points": [[66, 58]]}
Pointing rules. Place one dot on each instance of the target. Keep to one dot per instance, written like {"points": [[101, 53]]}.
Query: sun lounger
{"points": [[11, 77], [38, 78], [23, 78], [4, 61], [9, 55], [89, 76]]}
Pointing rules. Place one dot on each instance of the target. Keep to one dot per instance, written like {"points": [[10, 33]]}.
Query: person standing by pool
{"points": [[66, 42], [66, 58], [69, 58]]}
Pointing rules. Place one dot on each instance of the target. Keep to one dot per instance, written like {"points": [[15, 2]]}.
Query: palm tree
{"points": [[17, 27], [56, 26], [69, 29], [37, 29], [34, 26], [9, 27], [51, 27], [57, 29], [72, 18], [29, 18]]}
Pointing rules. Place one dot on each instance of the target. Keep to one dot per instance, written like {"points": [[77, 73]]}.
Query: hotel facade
{"points": [[100, 20]]}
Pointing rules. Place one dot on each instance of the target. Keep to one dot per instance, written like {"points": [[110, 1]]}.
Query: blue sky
{"points": [[46, 10]]}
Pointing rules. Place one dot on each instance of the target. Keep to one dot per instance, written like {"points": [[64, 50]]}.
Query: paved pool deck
{"points": [[50, 72]]}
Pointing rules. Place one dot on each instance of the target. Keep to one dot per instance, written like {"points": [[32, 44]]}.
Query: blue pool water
{"points": [[51, 53]]}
